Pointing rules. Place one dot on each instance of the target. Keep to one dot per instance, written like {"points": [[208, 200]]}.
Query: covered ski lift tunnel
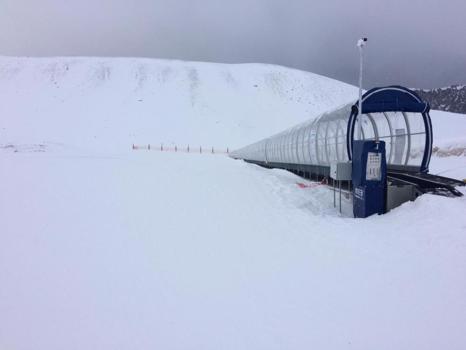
{"points": [[393, 114]]}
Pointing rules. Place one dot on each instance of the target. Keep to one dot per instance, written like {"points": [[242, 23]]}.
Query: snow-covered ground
{"points": [[102, 247]]}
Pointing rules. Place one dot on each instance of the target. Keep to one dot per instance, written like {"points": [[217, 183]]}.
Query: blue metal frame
{"points": [[393, 99]]}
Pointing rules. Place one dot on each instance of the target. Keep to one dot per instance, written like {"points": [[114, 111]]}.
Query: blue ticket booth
{"points": [[369, 177]]}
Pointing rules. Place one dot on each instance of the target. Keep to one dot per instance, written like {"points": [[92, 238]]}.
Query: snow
{"points": [[449, 158], [102, 247]]}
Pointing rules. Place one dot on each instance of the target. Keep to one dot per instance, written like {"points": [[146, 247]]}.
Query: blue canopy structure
{"points": [[416, 126]]}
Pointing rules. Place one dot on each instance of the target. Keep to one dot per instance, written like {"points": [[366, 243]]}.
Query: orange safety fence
{"points": [[183, 149], [312, 184]]}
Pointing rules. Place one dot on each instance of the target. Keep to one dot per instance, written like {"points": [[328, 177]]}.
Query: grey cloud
{"points": [[414, 43]]}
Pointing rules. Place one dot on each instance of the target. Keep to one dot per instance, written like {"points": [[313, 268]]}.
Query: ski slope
{"points": [[111, 103], [102, 247]]}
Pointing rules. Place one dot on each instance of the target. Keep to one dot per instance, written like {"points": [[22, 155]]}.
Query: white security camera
{"points": [[362, 42]]}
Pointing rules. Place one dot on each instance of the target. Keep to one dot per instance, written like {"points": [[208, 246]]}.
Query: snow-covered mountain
{"points": [[114, 102], [450, 98]]}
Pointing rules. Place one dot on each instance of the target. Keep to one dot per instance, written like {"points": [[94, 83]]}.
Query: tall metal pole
{"points": [[361, 43]]}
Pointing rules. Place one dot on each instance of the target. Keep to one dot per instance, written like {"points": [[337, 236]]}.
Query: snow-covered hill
{"points": [[102, 247], [114, 102]]}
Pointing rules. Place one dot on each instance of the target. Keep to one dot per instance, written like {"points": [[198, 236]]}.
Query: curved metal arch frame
{"points": [[392, 138], [374, 126], [408, 131], [424, 168]]}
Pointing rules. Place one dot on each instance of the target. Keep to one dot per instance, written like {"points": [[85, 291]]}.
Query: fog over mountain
{"points": [[415, 43]]}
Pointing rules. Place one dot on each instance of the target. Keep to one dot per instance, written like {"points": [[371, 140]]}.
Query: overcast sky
{"points": [[411, 42]]}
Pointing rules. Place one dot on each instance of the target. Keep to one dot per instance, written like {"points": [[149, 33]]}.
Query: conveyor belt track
{"points": [[430, 183]]}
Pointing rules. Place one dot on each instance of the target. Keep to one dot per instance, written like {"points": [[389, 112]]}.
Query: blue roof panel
{"points": [[392, 99]]}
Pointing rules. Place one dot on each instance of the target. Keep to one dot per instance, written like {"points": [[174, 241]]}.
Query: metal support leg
{"points": [[339, 185]]}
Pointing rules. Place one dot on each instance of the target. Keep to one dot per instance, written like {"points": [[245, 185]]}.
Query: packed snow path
{"points": [[176, 251]]}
